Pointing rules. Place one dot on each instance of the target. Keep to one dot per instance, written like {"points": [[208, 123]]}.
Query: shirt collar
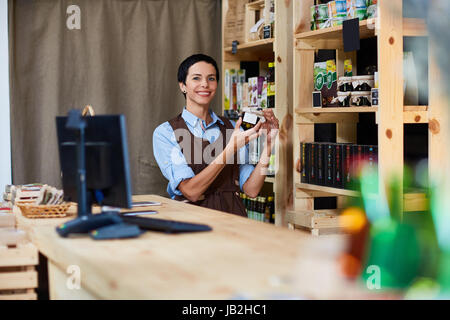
{"points": [[192, 119]]}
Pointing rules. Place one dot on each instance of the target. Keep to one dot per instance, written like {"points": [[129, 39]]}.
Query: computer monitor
{"points": [[93, 155], [106, 160]]}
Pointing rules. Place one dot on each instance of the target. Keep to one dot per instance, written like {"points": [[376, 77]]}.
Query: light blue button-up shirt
{"points": [[171, 160]]}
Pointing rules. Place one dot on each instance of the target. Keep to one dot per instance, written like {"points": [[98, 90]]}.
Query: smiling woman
{"points": [[202, 154]]}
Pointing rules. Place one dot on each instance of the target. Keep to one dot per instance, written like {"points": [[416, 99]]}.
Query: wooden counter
{"points": [[239, 258]]}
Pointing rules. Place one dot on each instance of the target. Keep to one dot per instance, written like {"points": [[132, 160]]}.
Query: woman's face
{"points": [[201, 84]]}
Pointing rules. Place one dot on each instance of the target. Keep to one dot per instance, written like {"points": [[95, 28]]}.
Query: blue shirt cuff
{"points": [[179, 175], [245, 170]]}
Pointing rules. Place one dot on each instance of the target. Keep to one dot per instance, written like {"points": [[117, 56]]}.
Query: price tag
{"points": [[234, 45]]}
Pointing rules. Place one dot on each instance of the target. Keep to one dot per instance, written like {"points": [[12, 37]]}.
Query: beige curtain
{"points": [[120, 56]]}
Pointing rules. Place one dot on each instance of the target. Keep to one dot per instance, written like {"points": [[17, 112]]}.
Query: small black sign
{"points": [[317, 99], [267, 32], [350, 34], [234, 45]]}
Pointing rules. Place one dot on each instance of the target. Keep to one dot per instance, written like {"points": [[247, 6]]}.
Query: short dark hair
{"points": [[189, 61]]}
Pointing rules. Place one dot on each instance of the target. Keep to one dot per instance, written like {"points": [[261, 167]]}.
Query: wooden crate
{"points": [[234, 21], [253, 9], [319, 222], [18, 277]]}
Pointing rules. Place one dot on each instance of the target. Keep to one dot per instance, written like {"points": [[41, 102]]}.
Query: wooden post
{"points": [[283, 108], [390, 111], [438, 136], [303, 88]]}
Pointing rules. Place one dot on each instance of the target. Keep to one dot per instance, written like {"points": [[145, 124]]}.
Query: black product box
{"points": [[304, 161], [357, 157], [347, 165], [312, 163], [371, 155], [320, 173], [329, 164], [338, 179]]}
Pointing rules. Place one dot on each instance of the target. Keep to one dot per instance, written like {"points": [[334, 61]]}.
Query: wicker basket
{"points": [[44, 211]]}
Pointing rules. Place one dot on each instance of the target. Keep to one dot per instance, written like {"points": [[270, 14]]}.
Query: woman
{"points": [[199, 152]]}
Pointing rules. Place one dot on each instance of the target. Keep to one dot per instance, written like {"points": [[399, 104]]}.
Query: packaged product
{"points": [[372, 11], [263, 100], [345, 84], [357, 3], [262, 88], [337, 8], [245, 95], [322, 12], [253, 91], [348, 68], [228, 88], [314, 12], [363, 83], [325, 81], [360, 99], [356, 9], [337, 21], [343, 99]]}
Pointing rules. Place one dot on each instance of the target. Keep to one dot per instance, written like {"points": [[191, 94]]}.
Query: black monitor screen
{"points": [[106, 158]]}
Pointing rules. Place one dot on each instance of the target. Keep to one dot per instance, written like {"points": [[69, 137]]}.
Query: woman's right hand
{"points": [[241, 138]]}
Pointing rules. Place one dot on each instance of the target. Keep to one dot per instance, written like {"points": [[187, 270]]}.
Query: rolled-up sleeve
{"points": [[170, 159]]}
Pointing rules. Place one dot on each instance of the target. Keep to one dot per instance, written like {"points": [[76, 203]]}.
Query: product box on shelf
{"points": [[253, 91], [329, 164], [312, 163], [228, 90], [304, 151], [325, 81], [320, 172]]}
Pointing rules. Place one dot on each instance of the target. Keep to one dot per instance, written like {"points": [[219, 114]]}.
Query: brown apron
{"points": [[223, 193]]}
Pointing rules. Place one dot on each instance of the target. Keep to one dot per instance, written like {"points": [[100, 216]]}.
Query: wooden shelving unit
{"points": [[389, 28], [277, 49]]}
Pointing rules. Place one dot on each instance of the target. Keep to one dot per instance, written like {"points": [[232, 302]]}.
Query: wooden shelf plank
{"points": [[337, 117], [328, 190], [413, 27], [415, 116], [254, 50], [336, 110], [411, 114], [412, 201], [367, 29], [261, 44], [270, 179], [256, 4], [320, 222], [415, 108]]}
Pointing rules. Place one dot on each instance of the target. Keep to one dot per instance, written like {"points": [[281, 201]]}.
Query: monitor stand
{"points": [[86, 221]]}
